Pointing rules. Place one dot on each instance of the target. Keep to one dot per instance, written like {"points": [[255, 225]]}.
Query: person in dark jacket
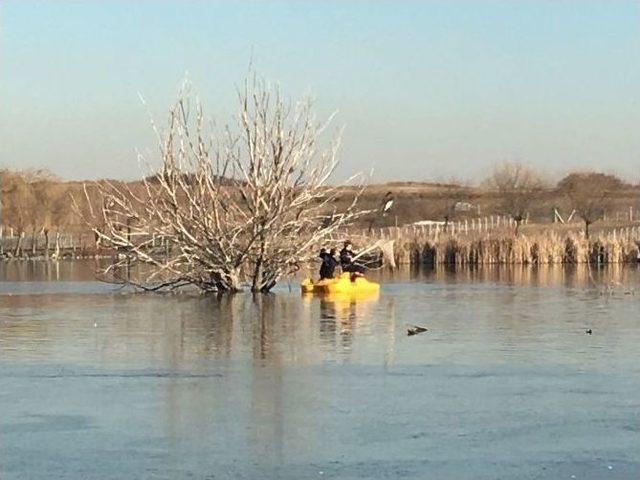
{"points": [[347, 259], [329, 263]]}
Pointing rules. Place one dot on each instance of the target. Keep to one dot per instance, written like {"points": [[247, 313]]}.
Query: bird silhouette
{"points": [[385, 206], [588, 331], [387, 203], [415, 329]]}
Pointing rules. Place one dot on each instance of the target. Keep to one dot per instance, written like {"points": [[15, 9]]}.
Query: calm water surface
{"points": [[96, 383]]}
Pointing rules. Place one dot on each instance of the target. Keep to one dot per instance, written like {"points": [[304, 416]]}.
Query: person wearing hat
{"points": [[329, 263], [346, 259]]}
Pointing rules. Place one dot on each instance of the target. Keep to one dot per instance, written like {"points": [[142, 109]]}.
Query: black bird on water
{"points": [[415, 329], [588, 331]]}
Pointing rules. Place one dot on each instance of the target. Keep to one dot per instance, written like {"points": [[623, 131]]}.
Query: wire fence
{"points": [[84, 243], [430, 228], [12, 243]]}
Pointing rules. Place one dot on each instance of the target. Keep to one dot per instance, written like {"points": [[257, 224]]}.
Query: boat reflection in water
{"points": [[343, 313]]}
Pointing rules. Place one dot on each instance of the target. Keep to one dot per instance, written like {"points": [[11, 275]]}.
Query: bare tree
{"points": [[589, 194], [21, 208], [241, 207], [51, 198], [45, 192], [517, 187]]}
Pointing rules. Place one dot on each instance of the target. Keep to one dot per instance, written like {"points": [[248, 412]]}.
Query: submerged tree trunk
{"points": [[18, 250], [256, 283], [267, 285], [228, 282], [34, 243], [57, 248], [46, 243], [258, 271]]}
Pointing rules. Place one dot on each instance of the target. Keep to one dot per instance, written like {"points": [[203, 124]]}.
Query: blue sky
{"points": [[425, 90]]}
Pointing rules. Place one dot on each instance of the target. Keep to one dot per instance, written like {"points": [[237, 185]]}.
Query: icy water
{"points": [[99, 384]]}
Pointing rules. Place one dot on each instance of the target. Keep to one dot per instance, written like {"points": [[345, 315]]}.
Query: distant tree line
{"points": [[37, 202], [518, 187], [33, 202]]}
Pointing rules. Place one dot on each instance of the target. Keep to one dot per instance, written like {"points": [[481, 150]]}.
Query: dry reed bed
{"points": [[502, 248]]}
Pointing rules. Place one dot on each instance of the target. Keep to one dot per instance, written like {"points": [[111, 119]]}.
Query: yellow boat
{"points": [[345, 283]]}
